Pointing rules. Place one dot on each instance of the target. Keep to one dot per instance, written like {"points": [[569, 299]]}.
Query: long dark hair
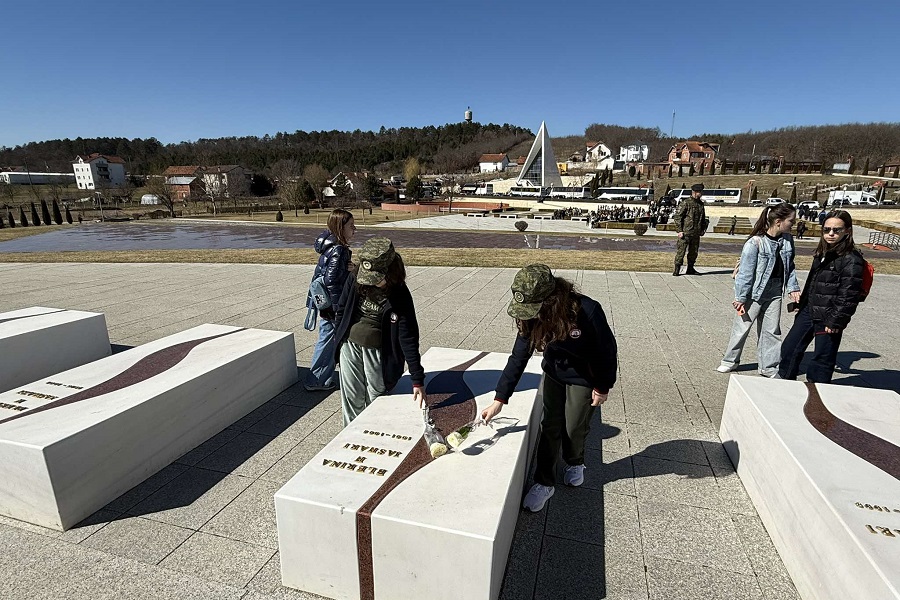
{"points": [[556, 318], [336, 222], [846, 243], [769, 215], [395, 276]]}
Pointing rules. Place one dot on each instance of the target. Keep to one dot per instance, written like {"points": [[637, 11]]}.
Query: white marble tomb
{"points": [[447, 526], [36, 342], [827, 493], [60, 462]]}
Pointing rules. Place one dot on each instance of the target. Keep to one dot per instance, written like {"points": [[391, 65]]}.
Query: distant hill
{"points": [[449, 148]]}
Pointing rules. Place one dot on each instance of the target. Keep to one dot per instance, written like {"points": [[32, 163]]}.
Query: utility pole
{"points": [[672, 130]]}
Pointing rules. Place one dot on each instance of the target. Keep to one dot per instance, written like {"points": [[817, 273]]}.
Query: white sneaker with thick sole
{"points": [[537, 497], [725, 368], [574, 475]]}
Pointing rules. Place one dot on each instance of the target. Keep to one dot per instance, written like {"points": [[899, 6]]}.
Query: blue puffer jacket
{"points": [[334, 264], [758, 259]]}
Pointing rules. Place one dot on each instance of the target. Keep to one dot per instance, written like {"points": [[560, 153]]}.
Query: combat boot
{"points": [[677, 271], [691, 270]]}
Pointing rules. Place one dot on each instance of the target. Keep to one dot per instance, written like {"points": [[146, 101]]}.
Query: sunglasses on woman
{"points": [[834, 230]]}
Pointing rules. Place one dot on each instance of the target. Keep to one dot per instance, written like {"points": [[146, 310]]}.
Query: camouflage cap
{"points": [[530, 287], [375, 256], [698, 187]]}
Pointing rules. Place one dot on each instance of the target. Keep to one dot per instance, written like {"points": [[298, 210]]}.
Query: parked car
{"points": [[814, 204], [774, 201]]}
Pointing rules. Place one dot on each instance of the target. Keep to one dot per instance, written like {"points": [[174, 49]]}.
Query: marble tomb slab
{"points": [[373, 515], [822, 465], [72, 442], [37, 342]]}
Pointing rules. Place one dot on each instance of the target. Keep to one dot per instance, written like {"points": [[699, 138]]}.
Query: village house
{"points": [[184, 181], [98, 171], [693, 153], [492, 163]]}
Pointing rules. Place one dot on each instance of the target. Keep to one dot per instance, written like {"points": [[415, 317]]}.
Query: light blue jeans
{"points": [[767, 314], [321, 370], [361, 379]]}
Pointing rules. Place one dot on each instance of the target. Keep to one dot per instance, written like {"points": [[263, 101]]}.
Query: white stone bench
{"points": [[476, 214], [446, 526], [581, 219], [74, 441], [38, 341], [826, 486], [542, 217], [509, 215]]}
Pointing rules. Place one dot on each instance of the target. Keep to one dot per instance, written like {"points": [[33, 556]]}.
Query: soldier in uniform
{"points": [[690, 222]]}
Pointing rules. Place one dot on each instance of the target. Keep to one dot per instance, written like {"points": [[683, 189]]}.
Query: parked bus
{"points": [[623, 194], [534, 192], [727, 195], [485, 189], [570, 192]]}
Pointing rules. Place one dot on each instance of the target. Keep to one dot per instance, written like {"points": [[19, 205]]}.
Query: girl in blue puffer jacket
{"points": [[333, 246]]}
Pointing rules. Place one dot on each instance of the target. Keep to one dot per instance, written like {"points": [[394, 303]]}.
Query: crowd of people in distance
{"points": [[615, 213], [369, 325], [567, 213]]}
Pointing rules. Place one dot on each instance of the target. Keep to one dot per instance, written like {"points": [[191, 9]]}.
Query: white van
{"points": [[851, 198]]}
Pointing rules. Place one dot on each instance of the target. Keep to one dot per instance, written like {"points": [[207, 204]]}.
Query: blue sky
{"points": [[190, 69]]}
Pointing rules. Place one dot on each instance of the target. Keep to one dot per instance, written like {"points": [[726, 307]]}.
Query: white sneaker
{"points": [[725, 368], [537, 497], [574, 475]]}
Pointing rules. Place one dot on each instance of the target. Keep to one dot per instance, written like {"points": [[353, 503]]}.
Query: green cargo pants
{"points": [[566, 423], [691, 245]]}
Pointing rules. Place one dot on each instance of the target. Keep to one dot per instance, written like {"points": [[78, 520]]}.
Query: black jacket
{"points": [[399, 332], [588, 357], [833, 287], [334, 264]]}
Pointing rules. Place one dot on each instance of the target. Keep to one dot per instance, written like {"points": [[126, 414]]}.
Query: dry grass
{"points": [[619, 260], [320, 217], [8, 233]]}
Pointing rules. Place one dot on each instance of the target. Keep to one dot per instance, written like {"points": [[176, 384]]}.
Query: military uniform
{"points": [[690, 220]]}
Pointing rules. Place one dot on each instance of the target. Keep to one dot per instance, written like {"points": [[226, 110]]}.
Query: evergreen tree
{"points": [[57, 215], [2, 223], [896, 172], [712, 168], [815, 194], [681, 172], [865, 170], [881, 171], [279, 216], [754, 193], [22, 218], [668, 189], [683, 186], [414, 189], [774, 193], [68, 216], [35, 219], [309, 196], [691, 170], [12, 221], [794, 195], [852, 166], [45, 212], [734, 168], [702, 166], [670, 170]]}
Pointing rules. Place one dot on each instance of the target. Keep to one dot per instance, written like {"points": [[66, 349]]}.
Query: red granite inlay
{"points": [[871, 448], [451, 404], [147, 367]]}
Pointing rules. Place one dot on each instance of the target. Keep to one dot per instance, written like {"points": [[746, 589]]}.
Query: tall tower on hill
{"points": [[468, 114]]}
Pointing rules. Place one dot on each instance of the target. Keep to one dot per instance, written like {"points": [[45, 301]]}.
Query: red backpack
{"points": [[868, 276]]}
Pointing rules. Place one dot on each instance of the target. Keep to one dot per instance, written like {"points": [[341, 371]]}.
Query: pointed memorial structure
{"points": [[540, 168]]}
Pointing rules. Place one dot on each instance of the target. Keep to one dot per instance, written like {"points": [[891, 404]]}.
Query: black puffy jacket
{"points": [[833, 287], [334, 264]]}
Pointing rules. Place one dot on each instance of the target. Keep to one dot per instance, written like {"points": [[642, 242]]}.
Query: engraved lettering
{"points": [[37, 395], [12, 407], [394, 453], [360, 459], [382, 472]]}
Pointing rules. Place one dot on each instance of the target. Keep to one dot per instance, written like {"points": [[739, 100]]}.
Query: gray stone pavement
{"points": [[661, 515]]}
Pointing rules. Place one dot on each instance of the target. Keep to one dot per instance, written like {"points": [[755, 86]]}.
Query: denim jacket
{"points": [[757, 261]]}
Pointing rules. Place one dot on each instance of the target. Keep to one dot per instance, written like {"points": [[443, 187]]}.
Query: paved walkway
{"points": [[661, 515]]}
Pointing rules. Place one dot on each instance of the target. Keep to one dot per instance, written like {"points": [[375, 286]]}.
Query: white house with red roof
{"points": [[491, 163], [98, 171]]}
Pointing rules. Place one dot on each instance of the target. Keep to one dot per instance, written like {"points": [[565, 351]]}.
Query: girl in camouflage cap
{"points": [[377, 330], [580, 361]]}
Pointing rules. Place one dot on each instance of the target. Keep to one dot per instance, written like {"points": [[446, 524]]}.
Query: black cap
{"points": [[697, 187]]}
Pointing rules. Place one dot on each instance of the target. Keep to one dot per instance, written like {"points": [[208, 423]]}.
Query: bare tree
{"points": [[164, 192], [318, 178], [412, 168]]}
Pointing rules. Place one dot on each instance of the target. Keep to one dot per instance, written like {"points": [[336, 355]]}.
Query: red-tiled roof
{"points": [[491, 158], [96, 155], [181, 170]]}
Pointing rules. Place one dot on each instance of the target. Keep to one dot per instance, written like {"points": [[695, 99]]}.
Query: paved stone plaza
{"points": [[665, 517]]}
